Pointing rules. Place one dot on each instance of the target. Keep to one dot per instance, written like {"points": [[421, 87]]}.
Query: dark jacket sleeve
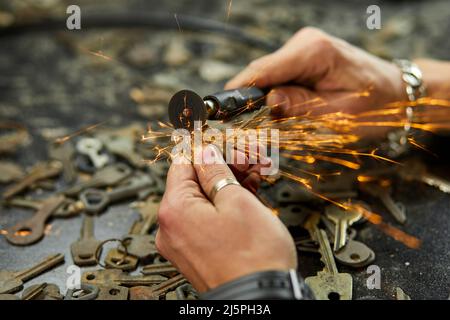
{"points": [[265, 285]]}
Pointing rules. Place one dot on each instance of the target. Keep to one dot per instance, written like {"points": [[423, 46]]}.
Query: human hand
{"points": [[213, 241], [317, 73]]}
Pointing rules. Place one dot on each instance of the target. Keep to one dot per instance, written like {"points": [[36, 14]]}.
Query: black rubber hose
{"points": [[137, 19]]}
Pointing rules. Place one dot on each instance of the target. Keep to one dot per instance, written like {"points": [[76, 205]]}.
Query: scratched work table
{"points": [[50, 83]]}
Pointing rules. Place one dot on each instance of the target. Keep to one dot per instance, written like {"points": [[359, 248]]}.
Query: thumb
{"points": [[289, 101]]}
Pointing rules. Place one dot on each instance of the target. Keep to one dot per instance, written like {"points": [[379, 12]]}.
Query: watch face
{"points": [[185, 108]]}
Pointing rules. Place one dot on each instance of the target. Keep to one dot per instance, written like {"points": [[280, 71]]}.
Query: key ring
{"points": [[99, 248]]}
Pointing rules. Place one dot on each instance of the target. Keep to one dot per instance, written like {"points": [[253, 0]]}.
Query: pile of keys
{"points": [[107, 167], [113, 159], [332, 231]]}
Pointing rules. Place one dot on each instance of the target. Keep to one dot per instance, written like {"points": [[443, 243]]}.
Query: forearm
{"points": [[436, 77]]}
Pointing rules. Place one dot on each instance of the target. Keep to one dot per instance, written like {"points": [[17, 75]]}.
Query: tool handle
{"points": [[228, 103]]}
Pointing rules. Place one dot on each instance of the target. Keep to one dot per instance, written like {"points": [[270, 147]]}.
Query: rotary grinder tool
{"points": [[186, 106]]}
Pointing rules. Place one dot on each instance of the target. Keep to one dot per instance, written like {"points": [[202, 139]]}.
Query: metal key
{"points": [[11, 281], [68, 208], [119, 260], [122, 146], [96, 200], [157, 291], [165, 269], [64, 152], [415, 170], [138, 242], [342, 220], [106, 177], [83, 251], [86, 292], [355, 253], [401, 295], [38, 172], [396, 209], [91, 147], [329, 284], [112, 292], [120, 278], [32, 230], [43, 291]]}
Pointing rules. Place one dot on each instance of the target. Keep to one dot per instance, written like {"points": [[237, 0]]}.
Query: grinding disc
{"points": [[185, 107]]}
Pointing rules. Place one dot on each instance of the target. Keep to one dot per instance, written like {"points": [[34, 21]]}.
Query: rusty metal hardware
{"points": [[32, 230], [12, 281]]}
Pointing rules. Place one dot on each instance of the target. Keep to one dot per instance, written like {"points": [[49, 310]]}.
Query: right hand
{"points": [[317, 73]]}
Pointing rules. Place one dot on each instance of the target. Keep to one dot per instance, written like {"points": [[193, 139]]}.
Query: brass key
{"points": [[342, 220], [83, 251], [329, 284], [355, 253], [11, 281], [39, 172], [32, 230]]}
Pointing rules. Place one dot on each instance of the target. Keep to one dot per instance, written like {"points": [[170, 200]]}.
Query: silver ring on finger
{"points": [[222, 183]]}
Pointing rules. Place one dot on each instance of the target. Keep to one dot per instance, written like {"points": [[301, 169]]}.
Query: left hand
{"points": [[213, 241]]}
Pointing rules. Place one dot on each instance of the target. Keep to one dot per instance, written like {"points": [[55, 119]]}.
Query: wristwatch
{"points": [[415, 89], [264, 285]]}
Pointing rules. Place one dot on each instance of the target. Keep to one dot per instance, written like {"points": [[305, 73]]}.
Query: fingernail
{"points": [[212, 155], [277, 101]]}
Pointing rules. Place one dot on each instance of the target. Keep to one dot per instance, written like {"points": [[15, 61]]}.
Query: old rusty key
{"points": [[109, 277], [32, 230], [11, 281], [106, 177], [157, 291], [83, 250], [64, 152], [139, 243], [96, 200], [124, 147], [38, 172], [69, 207], [165, 269]]}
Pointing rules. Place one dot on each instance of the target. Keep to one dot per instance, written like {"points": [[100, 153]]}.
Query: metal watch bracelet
{"points": [[264, 285], [415, 89]]}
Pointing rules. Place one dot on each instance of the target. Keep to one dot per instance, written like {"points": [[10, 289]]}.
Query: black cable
{"points": [[138, 19]]}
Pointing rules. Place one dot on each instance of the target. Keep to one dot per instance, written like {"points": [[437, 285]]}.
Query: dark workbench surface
{"points": [[49, 83]]}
